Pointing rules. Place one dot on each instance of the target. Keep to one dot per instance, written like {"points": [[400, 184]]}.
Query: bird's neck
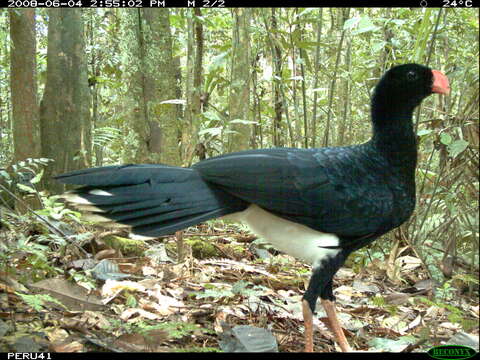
{"points": [[393, 133]]}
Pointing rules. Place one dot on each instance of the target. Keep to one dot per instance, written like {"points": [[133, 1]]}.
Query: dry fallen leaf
{"points": [[148, 341], [166, 305], [365, 287], [475, 310], [450, 326], [73, 296], [127, 314], [408, 263], [397, 298], [237, 265], [112, 288], [149, 271], [67, 347], [57, 335], [417, 321]]}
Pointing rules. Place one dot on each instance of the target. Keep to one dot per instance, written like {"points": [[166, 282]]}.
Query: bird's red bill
{"points": [[440, 83]]}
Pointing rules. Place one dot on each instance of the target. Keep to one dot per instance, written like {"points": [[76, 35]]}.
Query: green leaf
{"points": [[424, 132], [351, 23], [306, 44], [365, 25], [26, 188], [378, 46], [445, 139], [212, 131], [5, 174], [175, 102], [391, 345], [457, 147], [210, 115], [37, 177], [218, 61], [398, 22], [216, 294], [298, 77], [428, 173], [239, 287], [466, 278], [305, 12], [241, 121], [38, 301], [176, 330]]}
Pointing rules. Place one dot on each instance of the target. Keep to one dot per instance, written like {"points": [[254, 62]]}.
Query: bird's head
{"points": [[408, 84]]}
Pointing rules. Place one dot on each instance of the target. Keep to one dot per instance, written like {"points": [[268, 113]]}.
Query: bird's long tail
{"points": [[153, 200]]}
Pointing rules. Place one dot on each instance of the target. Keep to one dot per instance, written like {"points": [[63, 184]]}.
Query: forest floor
{"points": [[88, 289]]}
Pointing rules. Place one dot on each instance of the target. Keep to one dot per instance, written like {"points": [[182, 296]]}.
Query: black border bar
{"points": [[242, 3]]}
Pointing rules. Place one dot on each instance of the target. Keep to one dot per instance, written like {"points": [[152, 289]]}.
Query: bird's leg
{"points": [[308, 322], [309, 301], [335, 326], [321, 285]]}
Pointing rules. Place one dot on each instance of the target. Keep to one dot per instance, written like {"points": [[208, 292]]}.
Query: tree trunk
{"points": [[160, 86], [315, 84], [194, 85], [296, 137], [23, 82], [152, 81], [346, 96], [344, 16], [64, 111], [92, 83], [239, 101], [277, 84]]}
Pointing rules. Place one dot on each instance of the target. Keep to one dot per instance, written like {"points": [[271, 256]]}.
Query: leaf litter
{"points": [[235, 300]]}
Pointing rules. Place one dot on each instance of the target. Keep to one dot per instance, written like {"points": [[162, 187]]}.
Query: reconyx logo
{"points": [[456, 352]]}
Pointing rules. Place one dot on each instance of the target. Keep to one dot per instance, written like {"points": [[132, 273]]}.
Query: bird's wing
{"points": [[335, 190]]}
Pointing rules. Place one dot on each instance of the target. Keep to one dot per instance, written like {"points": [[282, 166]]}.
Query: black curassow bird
{"points": [[317, 205]]}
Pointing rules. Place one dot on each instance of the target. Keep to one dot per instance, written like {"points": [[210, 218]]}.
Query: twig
{"points": [[52, 227], [411, 347], [430, 51]]}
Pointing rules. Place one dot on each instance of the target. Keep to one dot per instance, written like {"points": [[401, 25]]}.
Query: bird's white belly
{"points": [[294, 239]]}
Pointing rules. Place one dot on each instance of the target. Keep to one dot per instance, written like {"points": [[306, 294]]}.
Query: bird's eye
{"points": [[412, 76]]}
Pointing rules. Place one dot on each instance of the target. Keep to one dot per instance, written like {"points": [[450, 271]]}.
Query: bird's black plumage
{"points": [[355, 192], [153, 199], [348, 191]]}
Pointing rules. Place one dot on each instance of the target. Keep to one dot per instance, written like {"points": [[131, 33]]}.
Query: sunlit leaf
{"points": [[457, 147], [445, 139], [26, 188], [424, 132], [351, 23], [365, 25], [37, 177], [242, 121], [175, 101]]}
